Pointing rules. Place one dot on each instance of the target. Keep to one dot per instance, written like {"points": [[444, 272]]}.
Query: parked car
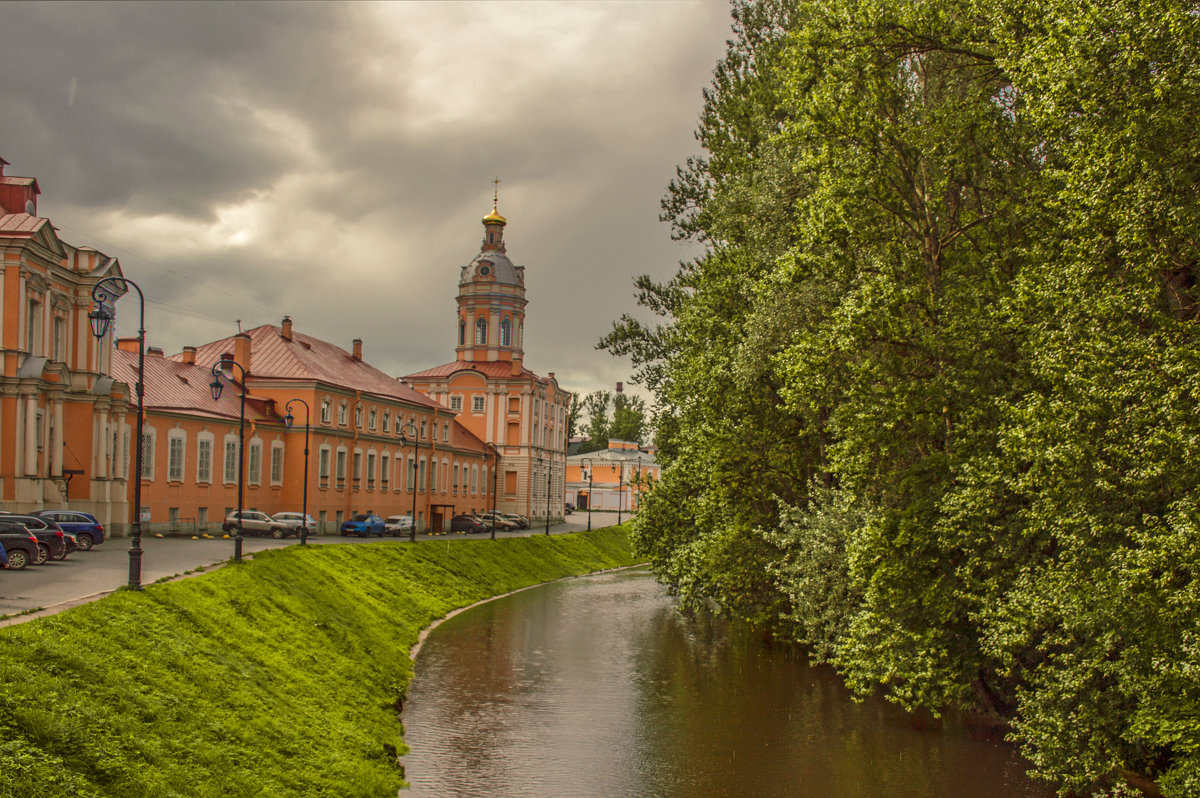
{"points": [[88, 531], [569, 508], [295, 521], [521, 521], [50, 542], [363, 525], [498, 520], [256, 523], [466, 523], [19, 543], [397, 524]]}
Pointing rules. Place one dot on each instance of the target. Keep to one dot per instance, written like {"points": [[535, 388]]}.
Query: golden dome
{"points": [[494, 216]]}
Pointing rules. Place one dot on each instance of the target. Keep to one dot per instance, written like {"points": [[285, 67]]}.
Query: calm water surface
{"points": [[599, 687]]}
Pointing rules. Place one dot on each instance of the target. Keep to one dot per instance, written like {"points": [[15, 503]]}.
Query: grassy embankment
{"points": [[276, 677]]}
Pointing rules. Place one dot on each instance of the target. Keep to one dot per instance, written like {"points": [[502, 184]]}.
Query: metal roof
{"points": [[171, 385]]}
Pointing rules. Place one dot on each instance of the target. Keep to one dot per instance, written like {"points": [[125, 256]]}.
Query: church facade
{"points": [[520, 415]]}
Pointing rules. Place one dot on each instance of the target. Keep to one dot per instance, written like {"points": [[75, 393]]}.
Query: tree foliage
{"points": [[927, 401]]}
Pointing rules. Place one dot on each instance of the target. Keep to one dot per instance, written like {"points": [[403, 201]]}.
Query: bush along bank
{"points": [[279, 676]]}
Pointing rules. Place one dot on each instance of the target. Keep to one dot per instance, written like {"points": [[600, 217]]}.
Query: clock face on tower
{"points": [[485, 268]]}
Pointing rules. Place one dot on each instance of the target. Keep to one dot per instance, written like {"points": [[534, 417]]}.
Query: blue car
{"points": [[363, 525], [84, 526]]}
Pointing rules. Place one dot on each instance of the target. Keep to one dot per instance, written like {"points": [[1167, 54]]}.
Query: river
{"points": [[598, 686]]}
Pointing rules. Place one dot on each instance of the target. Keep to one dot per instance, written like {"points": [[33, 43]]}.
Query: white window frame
{"points": [[204, 458], [254, 462], [456, 403], [277, 454], [477, 403], [149, 438], [230, 459], [176, 454]]}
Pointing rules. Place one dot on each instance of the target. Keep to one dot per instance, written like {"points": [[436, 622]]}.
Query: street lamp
{"points": [[408, 429], [549, 471], [620, 489], [289, 420], [218, 370], [495, 470], [591, 467], [113, 288]]}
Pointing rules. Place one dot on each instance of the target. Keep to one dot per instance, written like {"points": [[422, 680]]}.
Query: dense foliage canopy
{"points": [[928, 402]]}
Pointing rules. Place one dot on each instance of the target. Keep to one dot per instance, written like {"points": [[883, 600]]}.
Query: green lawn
{"points": [[276, 677]]}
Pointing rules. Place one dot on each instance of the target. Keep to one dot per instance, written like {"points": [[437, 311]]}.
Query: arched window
{"points": [[506, 333], [481, 331], [462, 332]]}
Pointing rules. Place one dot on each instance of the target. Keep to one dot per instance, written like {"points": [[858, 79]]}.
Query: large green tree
{"points": [[927, 403]]}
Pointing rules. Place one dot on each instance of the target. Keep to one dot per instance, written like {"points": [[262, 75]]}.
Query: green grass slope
{"points": [[275, 677]]}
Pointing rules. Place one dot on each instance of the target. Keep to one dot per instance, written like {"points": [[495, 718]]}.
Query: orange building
{"points": [[614, 479], [522, 415], [64, 424]]}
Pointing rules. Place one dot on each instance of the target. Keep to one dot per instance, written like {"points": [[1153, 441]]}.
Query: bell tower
{"points": [[491, 298]]}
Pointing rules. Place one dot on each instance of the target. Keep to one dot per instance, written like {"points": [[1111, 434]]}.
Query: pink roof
{"points": [[307, 358], [171, 385], [21, 223], [493, 369]]}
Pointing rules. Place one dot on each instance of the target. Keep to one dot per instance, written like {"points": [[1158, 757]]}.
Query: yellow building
{"points": [[522, 415]]}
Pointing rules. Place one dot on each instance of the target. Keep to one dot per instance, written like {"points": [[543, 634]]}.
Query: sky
{"points": [[332, 161]]}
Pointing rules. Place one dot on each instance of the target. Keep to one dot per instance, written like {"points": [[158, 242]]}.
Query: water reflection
{"points": [[599, 687]]}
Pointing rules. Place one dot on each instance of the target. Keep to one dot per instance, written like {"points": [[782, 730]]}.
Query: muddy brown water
{"points": [[599, 687]]}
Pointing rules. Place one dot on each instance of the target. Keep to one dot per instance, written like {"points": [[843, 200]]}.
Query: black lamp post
{"points": [[410, 428], [639, 488], [620, 467], [591, 467], [495, 469], [549, 471], [218, 370], [113, 288], [289, 420]]}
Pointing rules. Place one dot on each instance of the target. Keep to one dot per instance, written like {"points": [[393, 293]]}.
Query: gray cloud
{"points": [[332, 161]]}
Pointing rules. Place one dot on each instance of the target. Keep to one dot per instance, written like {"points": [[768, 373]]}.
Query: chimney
{"points": [[241, 351], [358, 349], [155, 351], [189, 355], [285, 328], [516, 365], [127, 344]]}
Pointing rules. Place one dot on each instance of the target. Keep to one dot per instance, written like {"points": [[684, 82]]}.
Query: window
{"points": [[445, 433], [202, 515], [412, 474], [342, 414], [231, 460], [357, 473], [514, 404], [147, 453], [371, 419], [454, 476], [323, 464], [384, 463], [433, 469], [358, 417], [175, 444], [510, 482], [204, 449], [255, 466], [424, 427], [483, 481], [57, 340], [476, 404], [474, 479], [481, 331], [456, 404], [341, 466], [276, 463], [33, 322], [326, 411], [370, 470], [506, 333], [387, 418], [421, 476], [462, 333]]}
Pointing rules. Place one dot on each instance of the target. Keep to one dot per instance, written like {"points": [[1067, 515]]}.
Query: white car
{"points": [[295, 520], [395, 524]]}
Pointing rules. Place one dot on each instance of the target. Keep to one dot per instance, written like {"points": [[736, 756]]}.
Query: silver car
{"points": [[295, 520], [256, 523], [397, 524]]}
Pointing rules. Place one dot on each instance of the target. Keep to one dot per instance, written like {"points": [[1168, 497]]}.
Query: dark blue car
{"points": [[84, 526], [363, 525]]}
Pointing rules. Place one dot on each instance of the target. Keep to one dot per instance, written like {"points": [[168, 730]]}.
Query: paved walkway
{"points": [[88, 575]]}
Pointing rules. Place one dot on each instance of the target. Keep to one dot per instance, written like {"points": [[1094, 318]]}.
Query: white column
{"points": [[30, 468], [56, 440], [99, 460]]}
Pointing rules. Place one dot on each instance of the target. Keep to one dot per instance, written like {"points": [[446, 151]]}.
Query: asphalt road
{"points": [[87, 575]]}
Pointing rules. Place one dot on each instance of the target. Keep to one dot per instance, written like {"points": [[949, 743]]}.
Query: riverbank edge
{"points": [[206, 686]]}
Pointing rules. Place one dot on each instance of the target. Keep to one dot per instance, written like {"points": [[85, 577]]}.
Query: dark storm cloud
{"points": [[332, 161]]}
